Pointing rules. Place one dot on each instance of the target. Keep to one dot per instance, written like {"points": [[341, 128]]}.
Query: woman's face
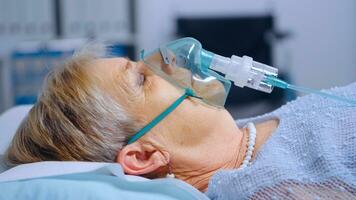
{"points": [[145, 95], [141, 92]]}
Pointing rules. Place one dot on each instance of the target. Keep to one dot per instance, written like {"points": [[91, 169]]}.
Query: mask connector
{"points": [[243, 71]]}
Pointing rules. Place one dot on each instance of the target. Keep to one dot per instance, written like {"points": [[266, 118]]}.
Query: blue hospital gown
{"points": [[311, 154]]}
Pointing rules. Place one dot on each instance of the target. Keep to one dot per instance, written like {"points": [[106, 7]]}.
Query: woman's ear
{"points": [[137, 159]]}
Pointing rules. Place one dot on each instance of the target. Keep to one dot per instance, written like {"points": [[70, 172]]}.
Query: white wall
{"points": [[323, 48]]}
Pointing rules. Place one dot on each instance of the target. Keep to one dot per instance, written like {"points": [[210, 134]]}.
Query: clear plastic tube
{"points": [[284, 85]]}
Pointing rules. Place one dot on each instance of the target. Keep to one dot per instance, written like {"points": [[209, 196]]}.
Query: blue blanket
{"points": [[311, 154]]}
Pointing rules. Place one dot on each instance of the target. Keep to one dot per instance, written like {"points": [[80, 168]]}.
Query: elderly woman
{"points": [[90, 107]]}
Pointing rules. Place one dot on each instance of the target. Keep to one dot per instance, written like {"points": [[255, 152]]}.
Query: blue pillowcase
{"points": [[96, 186]]}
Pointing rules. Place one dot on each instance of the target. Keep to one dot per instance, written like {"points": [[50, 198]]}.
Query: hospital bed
{"points": [[77, 180]]}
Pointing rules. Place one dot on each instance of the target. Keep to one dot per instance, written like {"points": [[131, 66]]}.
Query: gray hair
{"points": [[74, 118]]}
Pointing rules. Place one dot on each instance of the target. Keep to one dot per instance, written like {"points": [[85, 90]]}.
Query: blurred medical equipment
{"points": [[37, 25], [186, 64], [29, 64], [31, 61]]}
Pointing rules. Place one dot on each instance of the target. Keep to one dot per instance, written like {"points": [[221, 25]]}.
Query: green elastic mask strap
{"points": [[188, 93]]}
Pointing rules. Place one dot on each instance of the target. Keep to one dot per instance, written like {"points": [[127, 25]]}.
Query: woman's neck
{"points": [[215, 147], [239, 148]]}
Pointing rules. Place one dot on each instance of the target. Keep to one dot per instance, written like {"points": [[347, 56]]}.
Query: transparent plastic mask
{"points": [[180, 63]]}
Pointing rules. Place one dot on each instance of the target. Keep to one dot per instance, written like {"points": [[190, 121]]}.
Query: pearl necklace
{"points": [[251, 145]]}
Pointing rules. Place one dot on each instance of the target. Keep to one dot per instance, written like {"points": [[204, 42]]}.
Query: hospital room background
{"points": [[312, 43]]}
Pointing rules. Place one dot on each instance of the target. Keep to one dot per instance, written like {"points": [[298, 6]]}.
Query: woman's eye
{"points": [[141, 79]]}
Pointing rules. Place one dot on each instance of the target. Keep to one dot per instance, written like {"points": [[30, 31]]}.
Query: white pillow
{"points": [[9, 122]]}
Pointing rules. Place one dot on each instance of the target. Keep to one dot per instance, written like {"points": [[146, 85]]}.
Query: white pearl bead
{"points": [[251, 145]]}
